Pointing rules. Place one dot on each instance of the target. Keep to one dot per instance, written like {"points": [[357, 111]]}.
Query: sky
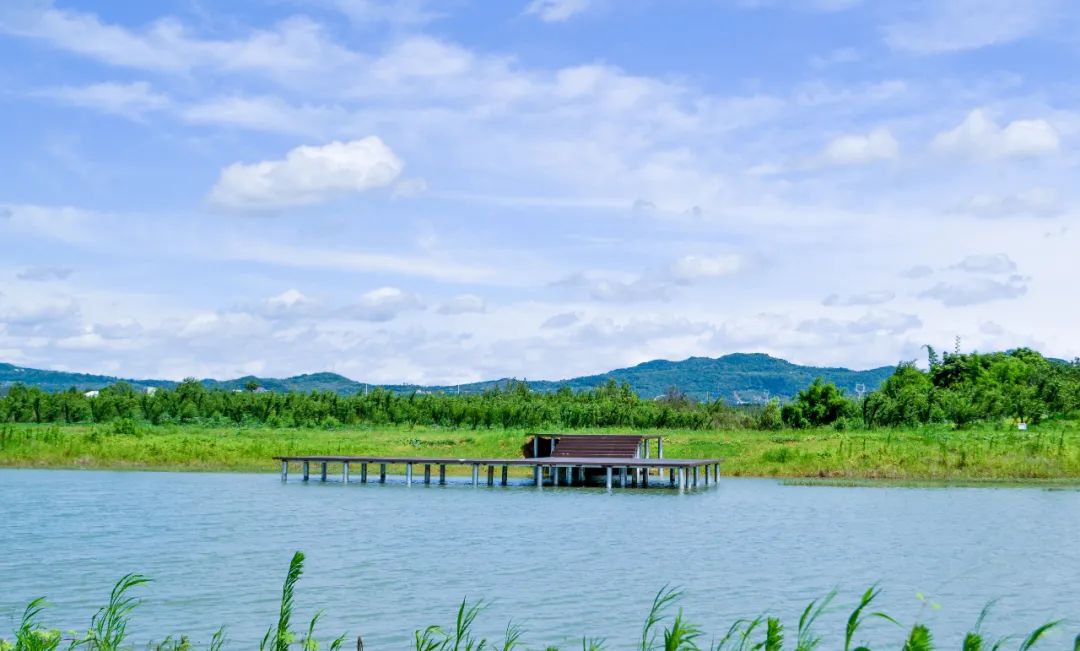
{"points": [[448, 191]]}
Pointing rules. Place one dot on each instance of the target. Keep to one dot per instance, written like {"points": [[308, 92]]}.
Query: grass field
{"points": [[1048, 453]]}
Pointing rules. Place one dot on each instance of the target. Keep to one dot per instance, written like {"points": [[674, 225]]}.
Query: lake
{"points": [[384, 560]]}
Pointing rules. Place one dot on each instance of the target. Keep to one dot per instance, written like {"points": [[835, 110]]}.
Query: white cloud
{"points": [[973, 291], [997, 263], [395, 12], [556, 11], [262, 113], [917, 271], [43, 274], [383, 304], [307, 175], [978, 136], [865, 298], [127, 99], [936, 26], [854, 149], [691, 268], [1036, 202], [463, 304], [608, 288], [562, 320]]}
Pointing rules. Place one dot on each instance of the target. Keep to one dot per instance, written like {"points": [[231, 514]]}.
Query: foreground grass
{"points": [[1050, 453], [664, 628]]}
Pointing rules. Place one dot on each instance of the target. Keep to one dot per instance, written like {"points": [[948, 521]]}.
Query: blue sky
{"points": [[442, 192]]}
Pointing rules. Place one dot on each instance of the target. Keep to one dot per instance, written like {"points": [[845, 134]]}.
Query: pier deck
{"points": [[681, 473]]}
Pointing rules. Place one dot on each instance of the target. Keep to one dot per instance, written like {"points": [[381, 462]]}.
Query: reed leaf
{"points": [[774, 635], [662, 602], [919, 639], [1034, 636]]}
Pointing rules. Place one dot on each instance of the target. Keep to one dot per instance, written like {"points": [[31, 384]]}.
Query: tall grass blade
{"points": [[806, 640], [774, 635], [1034, 636], [919, 639], [662, 602]]}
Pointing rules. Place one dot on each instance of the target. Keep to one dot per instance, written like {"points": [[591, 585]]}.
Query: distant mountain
{"points": [[737, 378]]}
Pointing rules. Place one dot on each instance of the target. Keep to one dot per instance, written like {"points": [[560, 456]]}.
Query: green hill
{"points": [[736, 378]]}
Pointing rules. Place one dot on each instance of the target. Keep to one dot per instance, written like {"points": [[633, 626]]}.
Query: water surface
{"points": [[384, 560]]}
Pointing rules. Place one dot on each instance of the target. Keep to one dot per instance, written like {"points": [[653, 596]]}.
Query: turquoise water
{"points": [[384, 560]]}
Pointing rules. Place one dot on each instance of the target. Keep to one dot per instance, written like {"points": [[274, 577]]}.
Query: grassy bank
{"points": [[1048, 453], [665, 628]]}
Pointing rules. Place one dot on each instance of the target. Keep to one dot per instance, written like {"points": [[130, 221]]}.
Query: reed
{"points": [[665, 629]]}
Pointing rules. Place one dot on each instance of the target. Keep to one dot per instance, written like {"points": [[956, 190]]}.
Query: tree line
{"points": [[956, 388]]}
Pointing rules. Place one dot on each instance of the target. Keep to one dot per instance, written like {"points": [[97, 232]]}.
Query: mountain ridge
{"points": [[735, 377]]}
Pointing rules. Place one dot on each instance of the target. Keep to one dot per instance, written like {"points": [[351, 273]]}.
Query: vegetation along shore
{"points": [[1012, 416], [665, 628]]}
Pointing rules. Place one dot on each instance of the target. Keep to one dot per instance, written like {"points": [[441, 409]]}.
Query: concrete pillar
{"points": [[322, 475], [682, 479], [645, 479], [427, 473], [607, 471], [307, 468], [660, 448], [538, 476], [706, 473], [475, 475], [408, 474], [554, 475], [504, 471], [536, 445], [671, 477], [581, 475], [695, 477], [284, 471], [491, 475], [622, 476], [363, 473], [382, 473], [716, 473], [345, 472], [569, 475], [442, 473]]}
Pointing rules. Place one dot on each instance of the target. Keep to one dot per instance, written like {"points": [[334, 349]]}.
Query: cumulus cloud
{"points": [[556, 11], [616, 290], [307, 175], [855, 149], [44, 274], [997, 263], [288, 304], [973, 291], [1036, 202], [463, 304], [978, 136], [126, 99], [383, 304], [887, 322], [563, 320], [917, 271], [865, 298], [691, 268]]}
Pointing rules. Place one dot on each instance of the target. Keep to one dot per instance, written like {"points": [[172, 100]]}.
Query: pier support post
{"points": [[622, 476], [695, 484], [645, 478], [307, 468], [427, 473], [716, 473], [363, 473], [442, 474], [554, 475], [607, 471], [408, 474], [491, 475], [284, 471], [660, 448], [538, 476], [382, 473], [322, 475], [581, 475], [569, 475], [475, 475], [671, 477], [505, 469], [706, 473], [344, 472]]}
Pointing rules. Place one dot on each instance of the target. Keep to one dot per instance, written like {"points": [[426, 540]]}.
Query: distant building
{"points": [[92, 394], [151, 391]]}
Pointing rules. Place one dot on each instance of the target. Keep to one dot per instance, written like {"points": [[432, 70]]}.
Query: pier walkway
{"points": [[566, 470]]}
